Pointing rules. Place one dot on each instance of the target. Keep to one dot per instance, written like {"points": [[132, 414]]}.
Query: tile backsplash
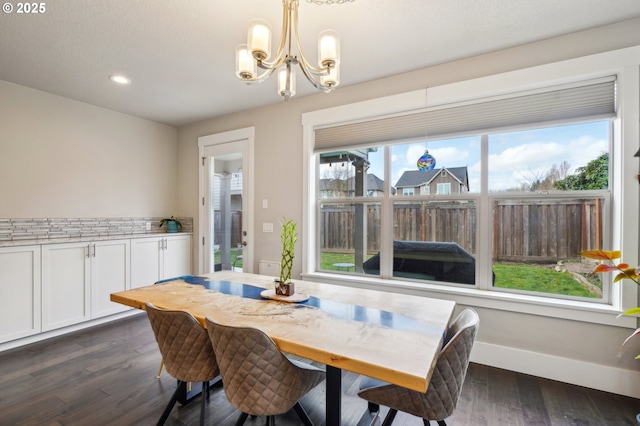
{"points": [[46, 229]]}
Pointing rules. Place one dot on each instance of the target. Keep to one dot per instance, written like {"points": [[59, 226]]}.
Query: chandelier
{"points": [[257, 54]]}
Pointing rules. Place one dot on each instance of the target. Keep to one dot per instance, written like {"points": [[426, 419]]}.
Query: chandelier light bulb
{"points": [[332, 79], [286, 82], [259, 39], [328, 48], [246, 67]]}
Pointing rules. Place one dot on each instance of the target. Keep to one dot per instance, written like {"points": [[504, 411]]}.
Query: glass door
{"points": [[226, 234], [226, 210]]}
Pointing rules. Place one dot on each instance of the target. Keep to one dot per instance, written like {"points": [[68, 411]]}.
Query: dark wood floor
{"points": [[107, 376]]}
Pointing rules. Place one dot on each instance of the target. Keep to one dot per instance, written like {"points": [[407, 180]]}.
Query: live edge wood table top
{"points": [[388, 336]]}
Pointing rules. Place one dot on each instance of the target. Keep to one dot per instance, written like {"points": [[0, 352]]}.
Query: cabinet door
{"points": [[65, 285], [145, 261], [177, 256], [19, 292], [109, 274]]}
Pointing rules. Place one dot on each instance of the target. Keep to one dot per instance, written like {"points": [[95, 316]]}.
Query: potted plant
{"points": [[173, 224], [624, 271], [289, 237]]}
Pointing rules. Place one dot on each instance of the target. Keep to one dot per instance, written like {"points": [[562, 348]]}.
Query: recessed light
{"points": [[120, 79]]}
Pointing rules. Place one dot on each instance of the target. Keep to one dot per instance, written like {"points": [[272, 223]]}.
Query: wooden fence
{"points": [[523, 231], [236, 228]]}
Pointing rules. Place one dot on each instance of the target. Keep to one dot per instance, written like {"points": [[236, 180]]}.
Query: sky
{"points": [[514, 158]]}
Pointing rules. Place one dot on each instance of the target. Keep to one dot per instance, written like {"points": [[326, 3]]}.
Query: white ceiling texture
{"points": [[180, 54]]}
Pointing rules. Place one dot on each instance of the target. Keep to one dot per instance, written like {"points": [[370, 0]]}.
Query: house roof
{"points": [[373, 183], [414, 178]]}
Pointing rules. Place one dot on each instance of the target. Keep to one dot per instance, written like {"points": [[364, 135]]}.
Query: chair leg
{"points": [[205, 390], [241, 419], [165, 414], [390, 416], [441, 423], [373, 408], [160, 369], [302, 414]]}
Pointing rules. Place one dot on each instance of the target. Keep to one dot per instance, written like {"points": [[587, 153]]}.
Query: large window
{"points": [[502, 210], [547, 192]]}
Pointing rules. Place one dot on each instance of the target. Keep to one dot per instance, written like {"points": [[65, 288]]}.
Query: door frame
{"points": [[245, 139]]}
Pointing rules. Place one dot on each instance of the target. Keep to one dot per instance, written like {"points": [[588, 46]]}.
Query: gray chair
{"points": [[445, 385], [256, 376], [186, 351]]}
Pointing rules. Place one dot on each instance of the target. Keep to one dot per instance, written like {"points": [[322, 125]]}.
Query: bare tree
{"points": [[335, 178], [544, 180]]}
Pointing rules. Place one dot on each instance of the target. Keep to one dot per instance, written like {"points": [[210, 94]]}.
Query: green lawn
{"points": [[518, 276], [538, 278], [234, 253]]}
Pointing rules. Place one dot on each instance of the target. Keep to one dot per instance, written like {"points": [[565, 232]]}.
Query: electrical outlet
{"points": [[148, 225], [267, 227]]}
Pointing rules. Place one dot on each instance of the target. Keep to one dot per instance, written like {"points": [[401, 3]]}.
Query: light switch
{"points": [[265, 203], [267, 227]]}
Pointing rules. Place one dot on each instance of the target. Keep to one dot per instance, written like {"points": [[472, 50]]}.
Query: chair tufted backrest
{"points": [[257, 378], [451, 368], [184, 344], [446, 382]]}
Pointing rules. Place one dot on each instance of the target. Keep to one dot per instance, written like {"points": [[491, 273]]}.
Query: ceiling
{"points": [[180, 54]]}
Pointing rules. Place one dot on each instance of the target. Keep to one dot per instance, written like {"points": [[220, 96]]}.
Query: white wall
{"points": [[573, 351], [64, 158]]}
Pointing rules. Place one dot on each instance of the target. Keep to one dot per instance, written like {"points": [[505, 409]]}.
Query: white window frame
{"points": [[444, 185], [623, 63], [407, 192]]}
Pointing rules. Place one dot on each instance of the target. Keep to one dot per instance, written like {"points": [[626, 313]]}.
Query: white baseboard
{"points": [[59, 332], [595, 376]]}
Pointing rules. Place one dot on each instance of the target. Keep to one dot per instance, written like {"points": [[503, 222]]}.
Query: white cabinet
{"points": [[51, 286], [158, 258], [19, 292], [176, 256], [78, 278], [109, 274]]}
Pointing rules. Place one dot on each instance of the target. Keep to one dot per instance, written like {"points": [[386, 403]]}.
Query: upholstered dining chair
{"points": [[257, 378], [445, 385], [186, 351]]}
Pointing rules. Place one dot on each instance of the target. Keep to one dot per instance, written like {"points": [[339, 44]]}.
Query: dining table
{"points": [[390, 336]]}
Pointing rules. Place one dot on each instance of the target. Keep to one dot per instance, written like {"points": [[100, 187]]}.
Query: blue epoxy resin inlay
{"points": [[344, 311]]}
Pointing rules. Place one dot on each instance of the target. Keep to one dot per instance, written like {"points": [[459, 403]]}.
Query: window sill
{"points": [[597, 313]]}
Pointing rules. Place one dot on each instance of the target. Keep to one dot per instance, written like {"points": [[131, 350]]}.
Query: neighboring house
{"points": [[227, 185], [443, 181], [338, 188]]}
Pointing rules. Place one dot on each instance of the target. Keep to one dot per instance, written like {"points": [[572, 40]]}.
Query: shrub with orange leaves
{"points": [[623, 271]]}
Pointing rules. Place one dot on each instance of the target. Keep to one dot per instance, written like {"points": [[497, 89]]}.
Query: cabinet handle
{"points": [[88, 252], [94, 250]]}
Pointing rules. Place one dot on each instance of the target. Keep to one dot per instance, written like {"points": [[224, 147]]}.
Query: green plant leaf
{"points": [[632, 311]]}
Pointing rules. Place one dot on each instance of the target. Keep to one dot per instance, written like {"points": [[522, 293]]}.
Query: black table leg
{"points": [[184, 396], [334, 395]]}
